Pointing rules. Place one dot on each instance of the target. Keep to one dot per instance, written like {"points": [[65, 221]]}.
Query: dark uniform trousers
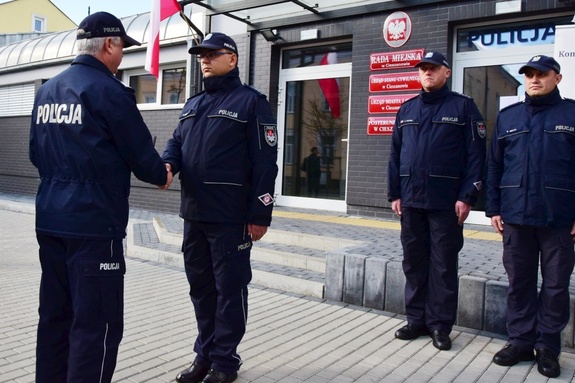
{"points": [[431, 242], [81, 309], [536, 320], [217, 264]]}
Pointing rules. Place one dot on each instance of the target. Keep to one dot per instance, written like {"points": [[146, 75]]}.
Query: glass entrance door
{"points": [[315, 142], [313, 120]]}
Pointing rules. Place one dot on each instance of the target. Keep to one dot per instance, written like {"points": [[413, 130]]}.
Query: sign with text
{"points": [[392, 82], [565, 56], [382, 126], [395, 60], [387, 103]]}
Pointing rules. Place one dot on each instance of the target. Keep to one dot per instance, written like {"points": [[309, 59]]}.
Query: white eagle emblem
{"points": [[396, 29]]}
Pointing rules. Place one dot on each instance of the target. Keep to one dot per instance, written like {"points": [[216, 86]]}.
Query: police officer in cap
{"points": [[225, 150], [435, 173], [530, 199], [87, 137]]}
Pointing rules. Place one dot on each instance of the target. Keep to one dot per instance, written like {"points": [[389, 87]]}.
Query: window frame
{"points": [[158, 105], [42, 19]]}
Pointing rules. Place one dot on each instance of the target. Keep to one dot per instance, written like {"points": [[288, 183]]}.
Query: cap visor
{"points": [[198, 48], [426, 61], [128, 41], [523, 69]]}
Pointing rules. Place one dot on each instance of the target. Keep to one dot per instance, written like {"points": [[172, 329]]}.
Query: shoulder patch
{"points": [[481, 130], [270, 134]]}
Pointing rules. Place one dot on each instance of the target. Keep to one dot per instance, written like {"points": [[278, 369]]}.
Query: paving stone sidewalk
{"points": [[289, 338]]}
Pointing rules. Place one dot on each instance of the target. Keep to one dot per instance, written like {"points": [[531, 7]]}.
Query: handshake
{"points": [[170, 178]]}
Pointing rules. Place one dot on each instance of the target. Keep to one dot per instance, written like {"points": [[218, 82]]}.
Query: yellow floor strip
{"points": [[366, 222]]}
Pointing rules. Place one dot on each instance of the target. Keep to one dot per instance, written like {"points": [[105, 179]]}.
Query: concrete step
{"points": [[278, 266], [277, 247]]}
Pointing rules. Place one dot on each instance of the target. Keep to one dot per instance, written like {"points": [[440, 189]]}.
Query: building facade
{"points": [[335, 79], [31, 16]]}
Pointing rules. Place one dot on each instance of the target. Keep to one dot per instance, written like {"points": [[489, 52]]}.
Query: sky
{"points": [[78, 9]]}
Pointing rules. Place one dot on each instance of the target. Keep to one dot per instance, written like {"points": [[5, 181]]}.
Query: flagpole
{"points": [[197, 37], [191, 25]]}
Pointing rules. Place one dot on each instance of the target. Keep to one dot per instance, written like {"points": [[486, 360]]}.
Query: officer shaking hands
{"points": [[225, 150], [435, 173], [86, 138], [531, 202]]}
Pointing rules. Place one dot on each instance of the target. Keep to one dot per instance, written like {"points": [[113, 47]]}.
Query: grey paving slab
{"points": [[289, 338]]}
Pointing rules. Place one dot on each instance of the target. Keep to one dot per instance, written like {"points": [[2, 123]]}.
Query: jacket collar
{"points": [[93, 62], [435, 95], [221, 83], [549, 99]]}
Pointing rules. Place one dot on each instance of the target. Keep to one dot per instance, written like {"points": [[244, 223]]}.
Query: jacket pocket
{"points": [[224, 177], [509, 133], [560, 130], [559, 183], [405, 171], [444, 172], [513, 181]]}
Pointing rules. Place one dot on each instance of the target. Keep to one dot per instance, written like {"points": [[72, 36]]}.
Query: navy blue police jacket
{"points": [[225, 151], [531, 167], [437, 152], [86, 137]]}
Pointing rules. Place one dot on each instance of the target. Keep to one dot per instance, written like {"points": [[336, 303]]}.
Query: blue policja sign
{"points": [[501, 37]]}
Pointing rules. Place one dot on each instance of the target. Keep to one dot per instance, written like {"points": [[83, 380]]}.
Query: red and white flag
{"points": [[161, 10], [330, 86]]}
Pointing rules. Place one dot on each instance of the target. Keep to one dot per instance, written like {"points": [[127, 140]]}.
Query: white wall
{"points": [[565, 56]]}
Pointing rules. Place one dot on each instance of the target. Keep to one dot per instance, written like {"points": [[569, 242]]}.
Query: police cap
{"points": [[103, 24]]}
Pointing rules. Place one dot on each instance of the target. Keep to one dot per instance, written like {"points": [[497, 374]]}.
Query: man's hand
{"points": [[573, 231], [497, 223], [256, 231], [462, 211], [169, 179], [396, 206]]}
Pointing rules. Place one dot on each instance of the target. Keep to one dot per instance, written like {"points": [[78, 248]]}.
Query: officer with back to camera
{"points": [[86, 138], [531, 202], [225, 149], [435, 173]]}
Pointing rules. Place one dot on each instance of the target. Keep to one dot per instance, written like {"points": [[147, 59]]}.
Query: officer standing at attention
{"points": [[225, 149], [435, 172], [86, 138], [531, 202]]}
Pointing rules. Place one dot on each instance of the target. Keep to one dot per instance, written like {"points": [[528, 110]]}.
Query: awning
{"points": [[261, 14]]}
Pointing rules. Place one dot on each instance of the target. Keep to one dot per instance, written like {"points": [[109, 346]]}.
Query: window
{"points": [[145, 87], [174, 86], [16, 100], [169, 89], [314, 56], [38, 24], [290, 108]]}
